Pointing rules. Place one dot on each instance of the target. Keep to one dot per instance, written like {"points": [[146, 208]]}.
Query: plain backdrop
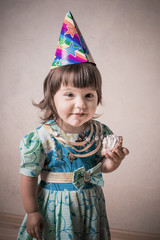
{"points": [[124, 39]]}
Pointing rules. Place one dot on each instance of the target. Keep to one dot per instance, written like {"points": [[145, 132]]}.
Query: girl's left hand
{"points": [[118, 155], [113, 159]]}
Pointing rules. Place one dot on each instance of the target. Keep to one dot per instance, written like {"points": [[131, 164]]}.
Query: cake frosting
{"points": [[110, 143]]}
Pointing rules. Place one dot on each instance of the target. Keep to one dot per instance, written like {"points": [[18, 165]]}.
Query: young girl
{"points": [[65, 151]]}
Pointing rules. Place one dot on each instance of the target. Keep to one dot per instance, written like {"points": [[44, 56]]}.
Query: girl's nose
{"points": [[80, 103]]}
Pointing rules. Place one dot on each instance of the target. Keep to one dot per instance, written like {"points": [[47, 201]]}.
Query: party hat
{"points": [[71, 47]]}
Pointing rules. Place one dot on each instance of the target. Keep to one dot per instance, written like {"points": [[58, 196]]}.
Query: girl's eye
{"points": [[69, 94], [89, 95]]}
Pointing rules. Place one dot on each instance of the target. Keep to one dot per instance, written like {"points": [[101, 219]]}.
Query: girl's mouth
{"points": [[79, 114]]}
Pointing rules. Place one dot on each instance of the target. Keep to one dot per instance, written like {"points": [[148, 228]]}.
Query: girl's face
{"points": [[75, 106]]}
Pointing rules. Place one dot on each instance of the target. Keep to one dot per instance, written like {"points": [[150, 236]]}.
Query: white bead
{"points": [[88, 139], [96, 138]]}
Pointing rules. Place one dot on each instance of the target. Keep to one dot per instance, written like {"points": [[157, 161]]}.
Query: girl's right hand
{"points": [[35, 224]]}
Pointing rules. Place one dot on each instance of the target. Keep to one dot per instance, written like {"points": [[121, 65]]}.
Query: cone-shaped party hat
{"points": [[71, 46]]}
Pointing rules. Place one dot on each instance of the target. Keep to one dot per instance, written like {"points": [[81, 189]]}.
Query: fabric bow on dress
{"points": [[93, 175]]}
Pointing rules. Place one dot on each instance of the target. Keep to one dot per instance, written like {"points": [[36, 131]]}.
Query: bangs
{"points": [[81, 76]]}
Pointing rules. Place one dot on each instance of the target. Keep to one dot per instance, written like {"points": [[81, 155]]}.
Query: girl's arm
{"points": [[29, 199], [112, 160]]}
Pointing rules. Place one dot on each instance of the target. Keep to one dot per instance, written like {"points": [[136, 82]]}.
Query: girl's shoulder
{"points": [[35, 136]]}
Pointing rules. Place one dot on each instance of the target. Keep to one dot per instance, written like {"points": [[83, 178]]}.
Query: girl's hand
{"points": [[34, 225], [113, 159]]}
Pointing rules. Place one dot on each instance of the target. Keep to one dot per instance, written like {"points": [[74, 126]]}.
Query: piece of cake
{"points": [[110, 143]]}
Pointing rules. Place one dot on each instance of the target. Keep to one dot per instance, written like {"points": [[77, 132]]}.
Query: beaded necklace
{"points": [[64, 142]]}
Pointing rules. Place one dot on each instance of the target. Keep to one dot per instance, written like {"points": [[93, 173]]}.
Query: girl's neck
{"points": [[70, 129]]}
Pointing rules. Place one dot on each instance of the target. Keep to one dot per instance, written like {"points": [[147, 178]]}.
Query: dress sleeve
{"points": [[105, 131], [32, 156]]}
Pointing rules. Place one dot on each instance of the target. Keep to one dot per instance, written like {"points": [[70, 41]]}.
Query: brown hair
{"points": [[81, 75]]}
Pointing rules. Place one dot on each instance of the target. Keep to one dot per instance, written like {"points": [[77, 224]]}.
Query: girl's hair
{"points": [[80, 75]]}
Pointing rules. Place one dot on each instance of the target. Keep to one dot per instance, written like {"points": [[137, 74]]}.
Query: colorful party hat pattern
{"points": [[71, 46]]}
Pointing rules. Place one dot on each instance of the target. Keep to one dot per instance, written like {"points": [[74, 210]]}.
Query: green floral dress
{"points": [[70, 210]]}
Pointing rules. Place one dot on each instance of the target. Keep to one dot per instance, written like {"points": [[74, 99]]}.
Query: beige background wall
{"points": [[124, 38]]}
